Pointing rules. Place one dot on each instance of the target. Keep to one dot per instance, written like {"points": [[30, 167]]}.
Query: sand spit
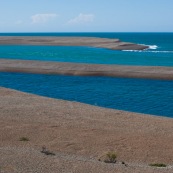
{"points": [[78, 134], [27, 66], [114, 44]]}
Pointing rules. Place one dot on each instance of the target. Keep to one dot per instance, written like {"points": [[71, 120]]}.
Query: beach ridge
{"points": [[138, 139], [41, 67], [114, 44]]}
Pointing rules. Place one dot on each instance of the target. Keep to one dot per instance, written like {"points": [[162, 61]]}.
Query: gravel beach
{"points": [[78, 135]]}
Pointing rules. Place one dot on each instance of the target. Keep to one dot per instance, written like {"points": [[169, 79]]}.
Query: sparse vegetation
{"points": [[47, 152], [111, 157], [157, 164], [24, 139]]}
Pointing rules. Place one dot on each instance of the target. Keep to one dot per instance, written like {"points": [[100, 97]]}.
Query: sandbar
{"points": [[114, 44], [41, 67]]}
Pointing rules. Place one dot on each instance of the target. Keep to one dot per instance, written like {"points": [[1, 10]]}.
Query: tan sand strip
{"points": [[41, 67], [114, 44], [79, 134]]}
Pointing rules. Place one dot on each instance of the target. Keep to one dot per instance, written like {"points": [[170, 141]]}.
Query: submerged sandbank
{"points": [[114, 44], [27, 66]]}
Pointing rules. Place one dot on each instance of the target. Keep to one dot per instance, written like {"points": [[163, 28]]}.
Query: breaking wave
{"points": [[152, 46], [152, 49]]}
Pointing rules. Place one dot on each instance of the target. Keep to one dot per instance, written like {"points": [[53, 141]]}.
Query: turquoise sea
{"points": [[137, 95]]}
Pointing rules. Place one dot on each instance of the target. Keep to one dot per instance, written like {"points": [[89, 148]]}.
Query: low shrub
{"points": [[111, 157], [157, 164]]}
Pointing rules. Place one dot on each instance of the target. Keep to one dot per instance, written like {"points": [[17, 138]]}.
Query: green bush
{"points": [[111, 157], [157, 164]]}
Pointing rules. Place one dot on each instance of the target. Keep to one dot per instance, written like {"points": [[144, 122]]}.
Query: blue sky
{"points": [[86, 16]]}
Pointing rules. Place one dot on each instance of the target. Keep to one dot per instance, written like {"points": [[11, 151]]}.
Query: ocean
{"points": [[137, 95]]}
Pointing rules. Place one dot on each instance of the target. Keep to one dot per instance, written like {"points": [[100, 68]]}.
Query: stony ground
{"points": [[78, 135]]}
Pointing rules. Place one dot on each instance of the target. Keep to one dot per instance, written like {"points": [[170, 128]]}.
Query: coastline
{"points": [[79, 134], [114, 44], [138, 139], [40, 67]]}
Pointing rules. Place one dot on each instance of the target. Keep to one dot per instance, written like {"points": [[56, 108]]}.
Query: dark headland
{"points": [[114, 44]]}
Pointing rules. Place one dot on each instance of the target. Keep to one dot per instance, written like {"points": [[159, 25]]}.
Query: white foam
{"points": [[153, 46], [147, 50], [132, 50], [164, 51]]}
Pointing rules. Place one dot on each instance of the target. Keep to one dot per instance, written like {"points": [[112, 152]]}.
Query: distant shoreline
{"points": [[114, 44], [40, 67]]}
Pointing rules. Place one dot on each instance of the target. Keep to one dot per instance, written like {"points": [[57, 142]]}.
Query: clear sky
{"points": [[86, 16]]}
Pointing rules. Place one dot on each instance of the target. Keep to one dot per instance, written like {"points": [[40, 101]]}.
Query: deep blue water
{"points": [[137, 95], [159, 54]]}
